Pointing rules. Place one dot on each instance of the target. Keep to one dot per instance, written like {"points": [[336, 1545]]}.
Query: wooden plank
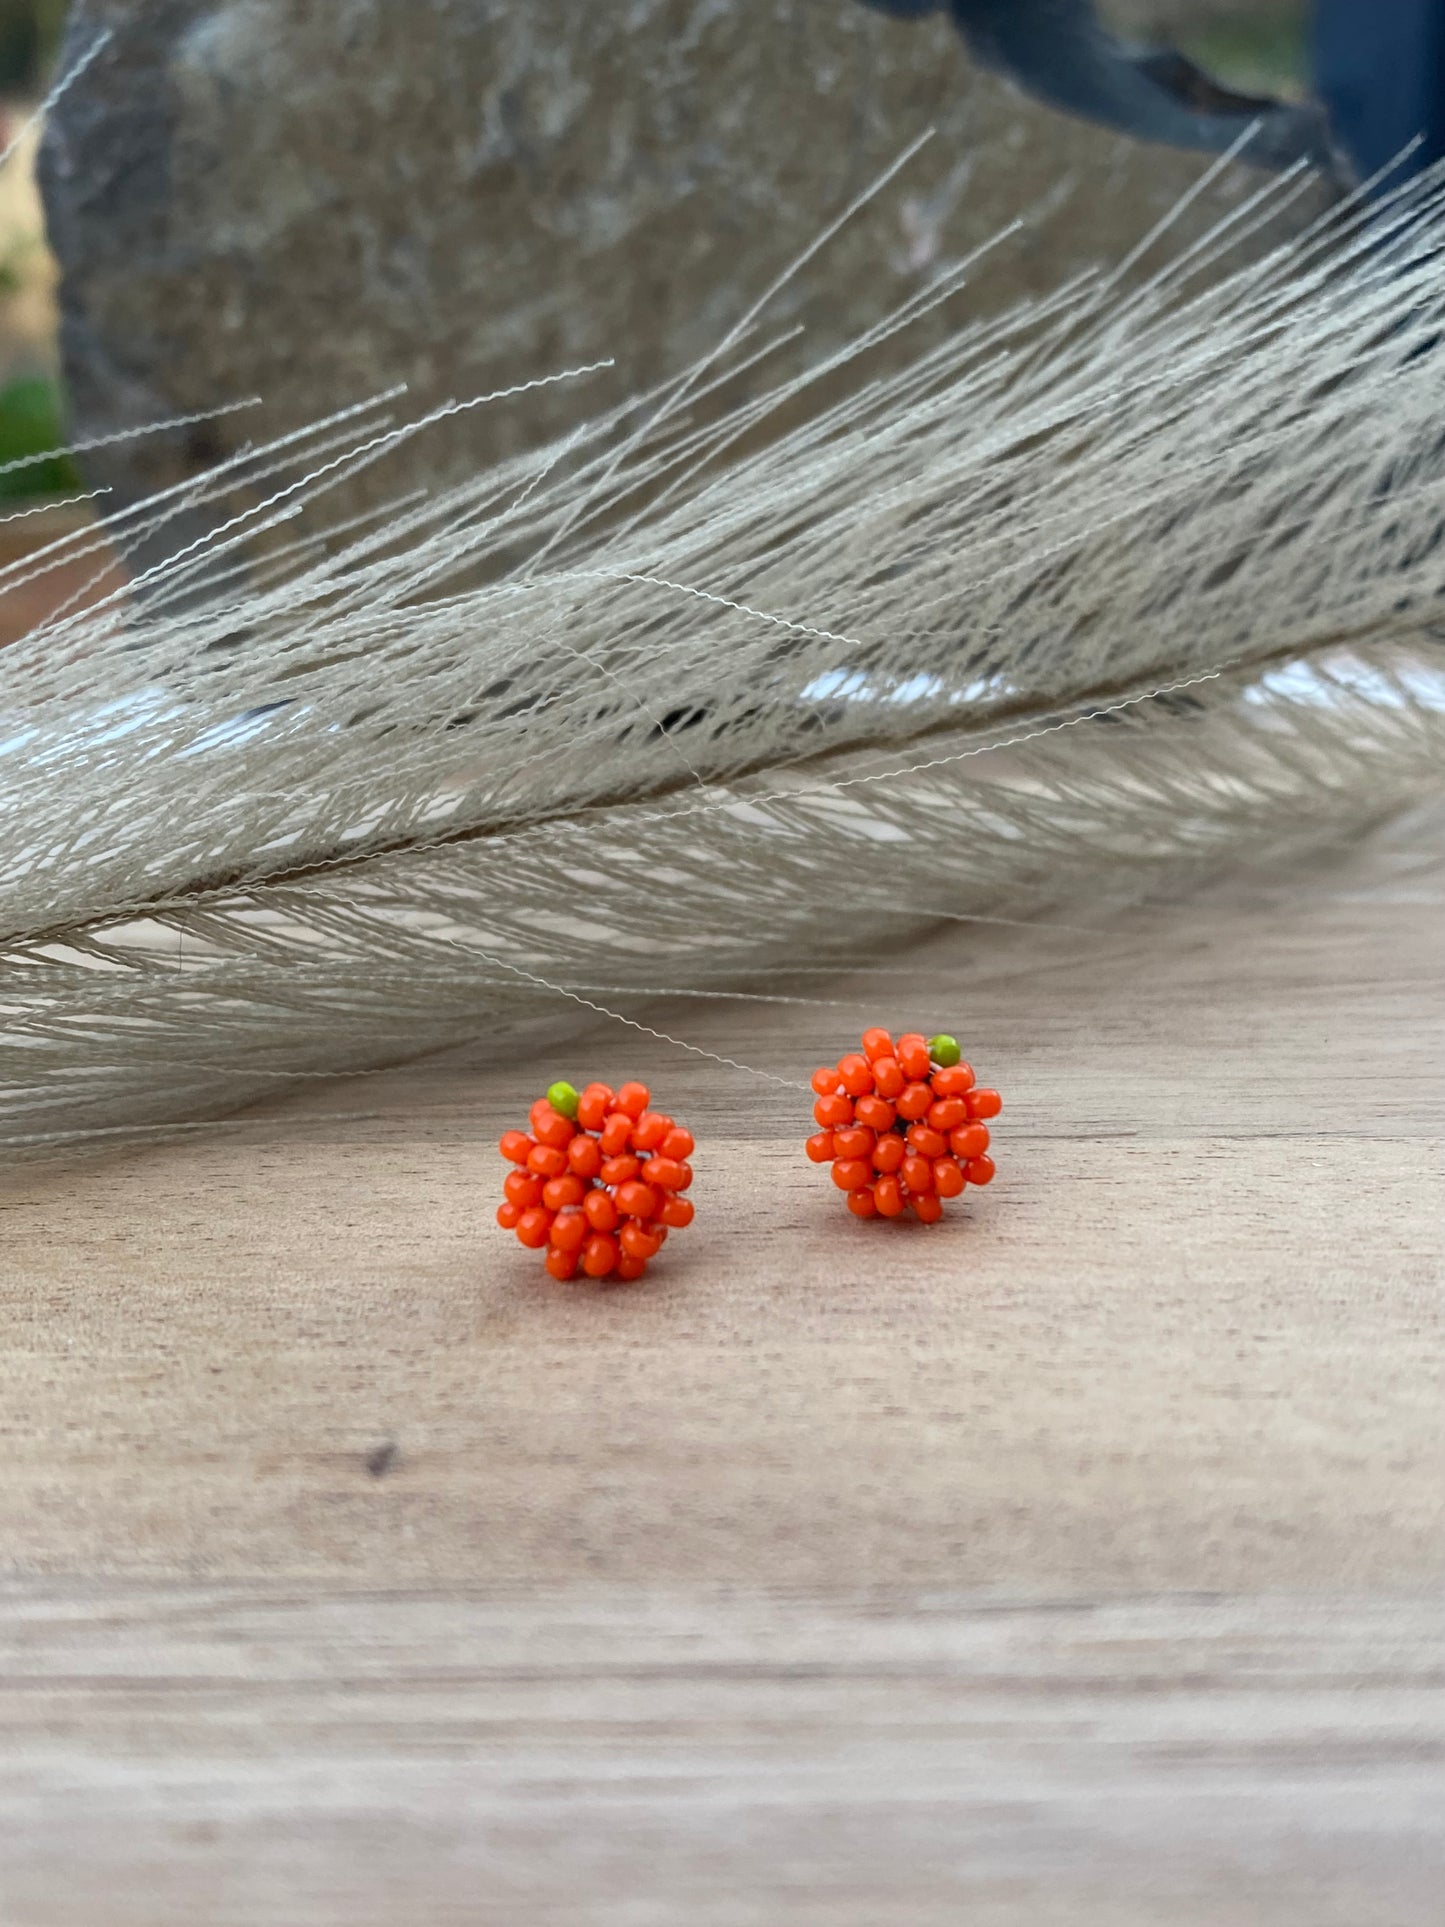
{"points": [[237, 1755], [1071, 1561]]}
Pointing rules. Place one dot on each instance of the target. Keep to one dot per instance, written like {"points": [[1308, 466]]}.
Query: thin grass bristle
{"points": [[1108, 592]]}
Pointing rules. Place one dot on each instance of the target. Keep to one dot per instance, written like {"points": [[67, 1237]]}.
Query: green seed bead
{"points": [[944, 1050], [563, 1099]]}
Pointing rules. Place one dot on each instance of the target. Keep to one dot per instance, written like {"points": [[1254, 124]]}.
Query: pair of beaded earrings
{"points": [[598, 1181]]}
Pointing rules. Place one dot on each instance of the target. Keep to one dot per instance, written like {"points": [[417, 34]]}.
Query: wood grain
{"points": [[1075, 1560], [234, 1756]]}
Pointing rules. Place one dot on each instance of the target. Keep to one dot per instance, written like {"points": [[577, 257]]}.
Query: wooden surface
{"points": [[1075, 1561]]}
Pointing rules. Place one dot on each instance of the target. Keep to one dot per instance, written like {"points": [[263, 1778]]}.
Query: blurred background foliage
{"points": [[30, 33], [31, 424], [1258, 46], [1259, 49], [31, 414]]}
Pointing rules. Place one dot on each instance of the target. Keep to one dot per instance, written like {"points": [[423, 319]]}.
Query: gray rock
{"points": [[312, 202]]}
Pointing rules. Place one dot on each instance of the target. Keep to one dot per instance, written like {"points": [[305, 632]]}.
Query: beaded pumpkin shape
{"points": [[902, 1125], [598, 1180]]}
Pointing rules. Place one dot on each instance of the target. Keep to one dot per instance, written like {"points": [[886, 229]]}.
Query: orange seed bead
{"points": [[926, 1142], [599, 1255], [826, 1080], [888, 1078], [554, 1129], [630, 1268], [888, 1194], [570, 1231], [830, 1112], [678, 1143], [851, 1174], [857, 1077], [636, 1200], [547, 1162], [560, 1192], [980, 1170], [927, 1207], [522, 1189], [984, 1103], [562, 1263], [678, 1213], [862, 1204], [914, 1056], [947, 1113], [666, 1173], [649, 1131], [917, 1174], [820, 1147], [593, 1105], [876, 1044], [584, 1155], [854, 1141], [889, 1152], [620, 1170], [600, 1211], [637, 1242], [634, 1099], [969, 1142], [616, 1133], [876, 1112], [955, 1081], [915, 1101], [507, 1216], [515, 1146], [948, 1178], [533, 1226]]}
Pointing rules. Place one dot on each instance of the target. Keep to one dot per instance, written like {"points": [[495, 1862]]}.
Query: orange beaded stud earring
{"points": [[598, 1180], [902, 1125]]}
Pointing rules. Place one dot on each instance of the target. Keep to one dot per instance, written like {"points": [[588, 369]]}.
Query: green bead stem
{"points": [[944, 1050], [563, 1099]]}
